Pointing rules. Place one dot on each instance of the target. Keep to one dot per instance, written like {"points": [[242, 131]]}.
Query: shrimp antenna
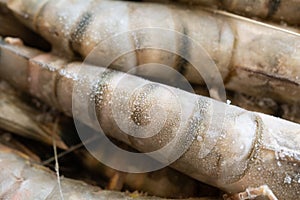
{"points": [[231, 15]]}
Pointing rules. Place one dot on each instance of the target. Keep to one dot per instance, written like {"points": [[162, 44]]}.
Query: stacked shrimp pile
{"points": [[157, 78]]}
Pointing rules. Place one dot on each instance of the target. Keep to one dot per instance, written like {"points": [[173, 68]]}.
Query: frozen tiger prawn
{"points": [[252, 57], [248, 150]]}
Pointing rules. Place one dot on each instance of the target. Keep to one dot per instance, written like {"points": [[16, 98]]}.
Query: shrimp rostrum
{"points": [[234, 151], [252, 58]]}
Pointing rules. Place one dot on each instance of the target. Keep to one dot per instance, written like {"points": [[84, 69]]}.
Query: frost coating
{"points": [[226, 146], [276, 140]]}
